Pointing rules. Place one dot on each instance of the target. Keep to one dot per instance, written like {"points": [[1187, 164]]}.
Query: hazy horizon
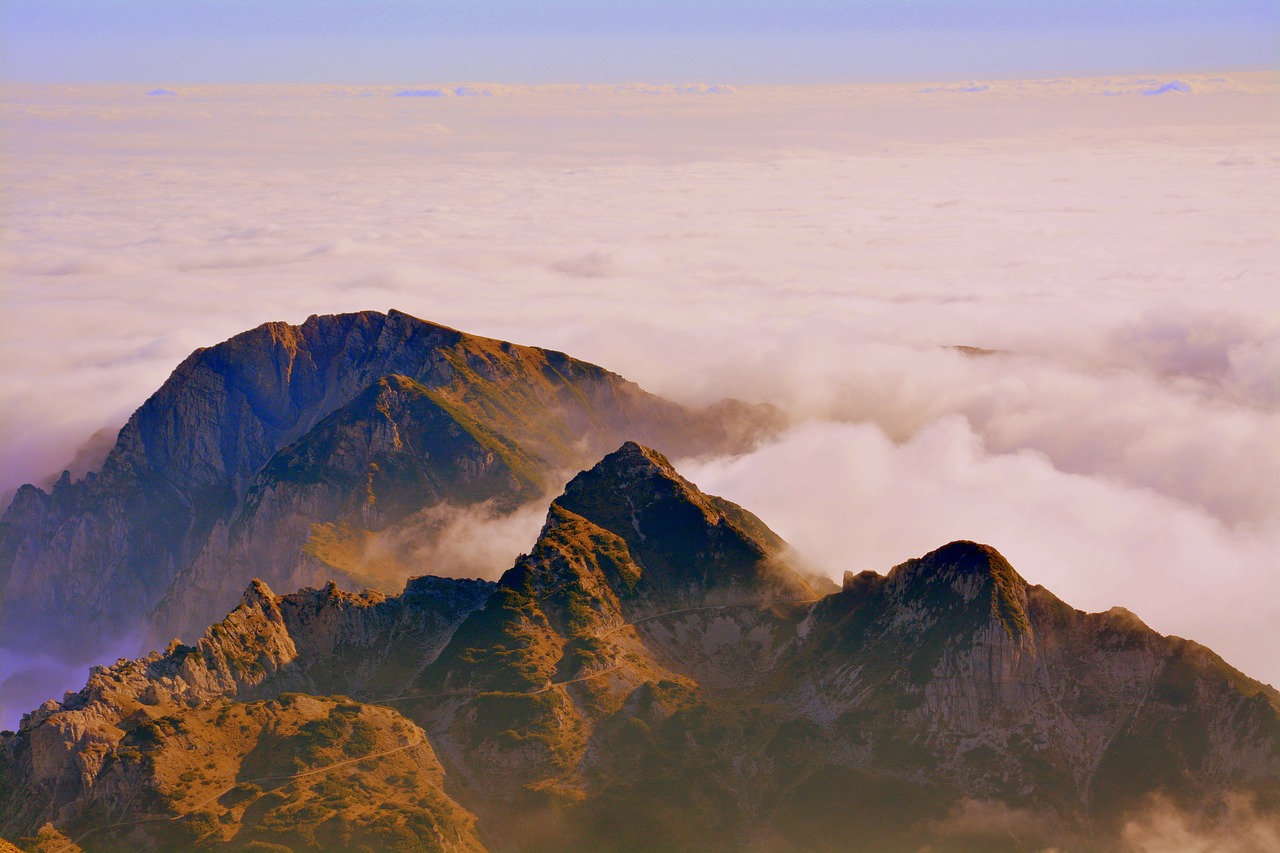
{"points": [[808, 41]]}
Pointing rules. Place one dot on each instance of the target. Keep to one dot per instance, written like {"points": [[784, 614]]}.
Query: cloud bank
{"points": [[1110, 263]]}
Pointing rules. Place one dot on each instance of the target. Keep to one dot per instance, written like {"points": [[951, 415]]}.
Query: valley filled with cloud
{"points": [[1038, 314]]}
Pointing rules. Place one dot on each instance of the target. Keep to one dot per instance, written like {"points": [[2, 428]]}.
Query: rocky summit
{"points": [[657, 673], [287, 451]]}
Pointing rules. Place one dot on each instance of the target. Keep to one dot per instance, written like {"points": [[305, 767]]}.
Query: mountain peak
{"points": [[632, 462], [631, 477], [633, 451], [258, 593], [958, 560], [966, 557], [683, 537], [972, 572], [359, 419]]}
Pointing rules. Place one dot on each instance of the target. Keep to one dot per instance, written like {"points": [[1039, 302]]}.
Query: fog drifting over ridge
{"points": [[821, 248]]}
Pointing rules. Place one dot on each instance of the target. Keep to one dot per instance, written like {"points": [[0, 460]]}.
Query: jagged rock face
{"points": [[865, 719], [628, 540], [356, 420], [655, 675], [315, 641], [392, 450], [952, 674], [300, 771]]}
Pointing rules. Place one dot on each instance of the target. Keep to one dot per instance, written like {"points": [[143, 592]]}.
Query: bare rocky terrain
{"points": [[656, 673], [282, 452]]}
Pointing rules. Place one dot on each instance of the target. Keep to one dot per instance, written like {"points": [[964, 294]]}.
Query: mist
{"points": [[1112, 253], [1157, 825], [1237, 827], [459, 542]]}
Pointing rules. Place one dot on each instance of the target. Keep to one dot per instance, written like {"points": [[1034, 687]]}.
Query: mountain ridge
{"points": [[571, 707], [188, 501]]}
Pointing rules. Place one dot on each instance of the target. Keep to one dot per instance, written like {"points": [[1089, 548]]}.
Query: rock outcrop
{"points": [[314, 641]]}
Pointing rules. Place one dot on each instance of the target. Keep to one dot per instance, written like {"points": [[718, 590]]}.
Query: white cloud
{"points": [[462, 542], [815, 247]]}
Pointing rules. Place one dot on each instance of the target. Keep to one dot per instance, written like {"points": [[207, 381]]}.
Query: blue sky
{"points": [[392, 41]]}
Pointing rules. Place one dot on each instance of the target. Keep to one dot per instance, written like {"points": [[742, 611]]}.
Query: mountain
{"points": [[657, 673], [287, 451]]}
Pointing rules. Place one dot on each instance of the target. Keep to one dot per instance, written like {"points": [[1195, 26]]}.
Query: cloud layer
{"points": [[1112, 259]]}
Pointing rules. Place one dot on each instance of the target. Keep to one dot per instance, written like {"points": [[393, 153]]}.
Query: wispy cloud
{"points": [[1237, 827]]}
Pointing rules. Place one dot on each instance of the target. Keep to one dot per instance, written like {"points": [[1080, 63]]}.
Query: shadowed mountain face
{"points": [[655, 674], [286, 450]]}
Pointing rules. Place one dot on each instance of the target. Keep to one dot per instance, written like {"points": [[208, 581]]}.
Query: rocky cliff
{"points": [[318, 641], [655, 674], [281, 451]]}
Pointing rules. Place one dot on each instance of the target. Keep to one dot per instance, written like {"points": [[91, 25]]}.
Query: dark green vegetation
{"points": [[296, 454]]}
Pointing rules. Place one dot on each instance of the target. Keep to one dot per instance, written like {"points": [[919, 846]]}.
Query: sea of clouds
{"points": [[1112, 252]]}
